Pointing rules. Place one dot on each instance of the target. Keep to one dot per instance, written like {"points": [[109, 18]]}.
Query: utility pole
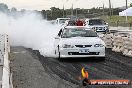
{"points": [[103, 10], [63, 11], [126, 4], [110, 8], [76, 12], [72, 10]]}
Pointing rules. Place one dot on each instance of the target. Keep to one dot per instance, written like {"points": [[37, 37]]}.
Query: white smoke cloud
{"points": [[30, 31]]}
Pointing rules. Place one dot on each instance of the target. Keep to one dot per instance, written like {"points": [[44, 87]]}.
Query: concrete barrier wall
{"points": [[108, 39], [119, 42], [5, 49], [2, 49], [127, 47]]}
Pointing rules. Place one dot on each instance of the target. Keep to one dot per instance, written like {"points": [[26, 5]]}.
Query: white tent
{"points": [[127, 12]]}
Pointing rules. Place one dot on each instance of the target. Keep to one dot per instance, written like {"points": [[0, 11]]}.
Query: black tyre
{"points": [[59, 56], [55, 52]]}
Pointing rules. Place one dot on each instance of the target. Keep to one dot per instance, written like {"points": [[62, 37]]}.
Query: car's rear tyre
{"points": [[58, 55], [59, 58], [55, 52]]}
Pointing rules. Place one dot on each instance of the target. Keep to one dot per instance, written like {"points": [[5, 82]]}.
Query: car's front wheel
{"points": [[59, 58], [58, 53]]}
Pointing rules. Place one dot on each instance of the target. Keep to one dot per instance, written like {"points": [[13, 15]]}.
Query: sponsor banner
{"points": [[109, 82]]}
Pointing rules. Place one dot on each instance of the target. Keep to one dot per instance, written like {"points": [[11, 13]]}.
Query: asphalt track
{"points": [[115, 66]]}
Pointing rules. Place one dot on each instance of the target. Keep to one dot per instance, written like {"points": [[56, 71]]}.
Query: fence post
{"points": [[130, 25], [117, 23]]}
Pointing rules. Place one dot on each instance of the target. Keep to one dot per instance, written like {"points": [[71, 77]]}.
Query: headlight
{"points": [[67, 46], [98, 45]]}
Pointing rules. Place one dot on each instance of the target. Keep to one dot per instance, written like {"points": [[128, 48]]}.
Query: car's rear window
{"points": [[67, 33], [96, 22]]}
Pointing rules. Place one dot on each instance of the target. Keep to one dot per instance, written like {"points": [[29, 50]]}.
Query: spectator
{"points": [[79, 23]]}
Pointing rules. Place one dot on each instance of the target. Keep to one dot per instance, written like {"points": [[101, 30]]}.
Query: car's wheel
{"points": [[55, 52], [59, 58]]}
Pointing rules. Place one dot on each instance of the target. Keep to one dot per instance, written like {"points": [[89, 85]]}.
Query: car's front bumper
{"points": [[93, 52]]}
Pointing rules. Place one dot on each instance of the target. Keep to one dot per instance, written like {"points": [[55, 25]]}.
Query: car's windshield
{"points": [[96, 22], [61, 21], [67, 33]]}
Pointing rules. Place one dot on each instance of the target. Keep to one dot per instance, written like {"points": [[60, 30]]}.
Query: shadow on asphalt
{"points": [[83, 60]]}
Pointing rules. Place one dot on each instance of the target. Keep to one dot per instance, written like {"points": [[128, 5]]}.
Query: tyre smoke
{"points": [[30, 31]]}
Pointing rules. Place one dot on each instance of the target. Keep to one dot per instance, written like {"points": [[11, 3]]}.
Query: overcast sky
{"points": [[46, 4]]}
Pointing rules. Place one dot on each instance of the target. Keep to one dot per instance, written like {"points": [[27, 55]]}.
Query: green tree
{"points": [[131, 5], [55, 12], [4, 8]]}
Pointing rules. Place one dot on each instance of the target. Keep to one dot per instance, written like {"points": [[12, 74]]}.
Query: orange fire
{"points": [[84, 73]]}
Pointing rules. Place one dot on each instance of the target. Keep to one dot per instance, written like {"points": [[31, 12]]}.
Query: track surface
{"points": [[115, 66], [28, 72]]}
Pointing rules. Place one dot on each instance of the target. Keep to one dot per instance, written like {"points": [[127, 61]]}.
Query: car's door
{"points": [[57, 38]]}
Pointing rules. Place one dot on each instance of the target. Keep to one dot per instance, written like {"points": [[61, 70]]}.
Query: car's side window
{"points": [[59, 34]]}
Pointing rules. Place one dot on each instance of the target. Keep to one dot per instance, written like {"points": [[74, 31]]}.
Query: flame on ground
{"points": [[84, 73]]}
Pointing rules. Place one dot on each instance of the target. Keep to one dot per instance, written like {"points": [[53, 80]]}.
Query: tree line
{"points": [[54, 12]]}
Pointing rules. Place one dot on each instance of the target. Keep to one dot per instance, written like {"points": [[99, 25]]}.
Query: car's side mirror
{"points": [[57, 37]]}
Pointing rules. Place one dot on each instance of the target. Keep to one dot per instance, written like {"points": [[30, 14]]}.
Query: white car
{"points": [[61, 21], [96, 24], [78, 42]]}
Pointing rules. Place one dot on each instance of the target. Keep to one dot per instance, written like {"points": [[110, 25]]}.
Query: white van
{"points": [[61, 21]]}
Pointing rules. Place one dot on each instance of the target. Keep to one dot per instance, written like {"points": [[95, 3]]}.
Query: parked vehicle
{"points": [[98, 25], [61, 21]]}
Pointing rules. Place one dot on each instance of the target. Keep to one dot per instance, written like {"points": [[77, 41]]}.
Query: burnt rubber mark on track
{"points": [[64, 70], [115, 66]]}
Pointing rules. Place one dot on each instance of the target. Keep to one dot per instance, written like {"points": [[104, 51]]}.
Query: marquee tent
{"points": [[127, 12]]}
